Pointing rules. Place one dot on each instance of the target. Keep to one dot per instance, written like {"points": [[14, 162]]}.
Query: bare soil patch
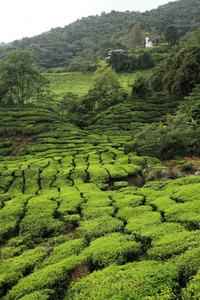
{"points": [[19, 141]]}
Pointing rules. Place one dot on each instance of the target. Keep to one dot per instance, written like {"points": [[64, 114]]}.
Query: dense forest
{"points": [[90, 38]]}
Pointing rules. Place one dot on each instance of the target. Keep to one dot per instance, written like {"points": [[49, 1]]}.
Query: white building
{"points": [[150, 42]]}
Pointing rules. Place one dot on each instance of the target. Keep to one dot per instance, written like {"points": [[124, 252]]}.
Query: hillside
{"points": [[74, 205], [89, 38]]}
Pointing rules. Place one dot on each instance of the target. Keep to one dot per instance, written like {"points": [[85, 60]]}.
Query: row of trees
{"points": [[179, 73], [124, 62]]}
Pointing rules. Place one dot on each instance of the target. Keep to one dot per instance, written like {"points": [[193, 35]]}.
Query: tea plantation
{"points": [[79, 219]]}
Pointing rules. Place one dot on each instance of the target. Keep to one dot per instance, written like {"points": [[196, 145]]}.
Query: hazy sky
{"points": [[26, 18]]}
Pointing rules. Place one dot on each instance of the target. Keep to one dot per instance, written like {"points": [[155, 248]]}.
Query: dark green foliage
{"points": [[192, 289], [171, 36], [20, 80], [177, 137], [123, 62], [87, 39]]}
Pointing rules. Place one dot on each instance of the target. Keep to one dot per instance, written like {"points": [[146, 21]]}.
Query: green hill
{"points": [[79, 219], [90, 38]]}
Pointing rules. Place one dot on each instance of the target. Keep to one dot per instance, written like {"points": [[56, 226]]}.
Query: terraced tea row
{"points": [[121, 226], [78, 221]]}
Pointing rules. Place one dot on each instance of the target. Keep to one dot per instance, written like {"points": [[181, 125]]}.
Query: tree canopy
{"points": [[20, 80]]}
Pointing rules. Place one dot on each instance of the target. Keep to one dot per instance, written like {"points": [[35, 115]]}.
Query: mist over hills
{"points": [[90, 37]]}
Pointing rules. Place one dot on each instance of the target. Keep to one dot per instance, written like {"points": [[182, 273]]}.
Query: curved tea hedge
{"points": [[74, 223]]}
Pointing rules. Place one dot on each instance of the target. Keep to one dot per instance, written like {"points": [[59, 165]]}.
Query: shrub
{"points": [[139, 280], [122, 200], [127, 212], [171, 244], [10, 215], [112, 248], [70, 202], [187, 213], [96, 212], [97, 174], [39, 220], [64, 251], [192, 290], [40, 295], [99, 226], [143, 222], [116, 172], [12, 269], [46, 278]]}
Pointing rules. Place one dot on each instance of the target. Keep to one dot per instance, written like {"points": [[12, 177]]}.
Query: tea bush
{"points": [[70, 202], [139, 280], [13, 269], [64, 251], [112, 248], [115, 172], [42, 295], [39, 221], [171, 244], [96, 212], [143, 222], [186, 213], [122, 200], [95, 228], [97, 174], [192, 290], [46, 278], [10, 215], [127, 212]]}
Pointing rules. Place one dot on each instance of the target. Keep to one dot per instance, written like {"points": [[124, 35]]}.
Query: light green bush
{"points": [[192, 290], [112, 248], [171, 244], [116, 172], [127, 212], [132, 169], [45, 278], [122, 200], [99, 226], [143, 222], [39, 221], [96, 212], [70, 202], [98, 174], [64, 251], [187, 213], [139, 280], [39, 295], [12, 269], [10, 216]]}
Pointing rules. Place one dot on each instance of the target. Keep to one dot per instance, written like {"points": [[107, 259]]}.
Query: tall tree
{"points": [[182, 71], [171, 36], [136, 36], [105, 91], [19, 78]]}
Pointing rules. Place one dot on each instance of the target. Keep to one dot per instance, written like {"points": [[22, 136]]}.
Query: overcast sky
{"points": [[26, 18]]}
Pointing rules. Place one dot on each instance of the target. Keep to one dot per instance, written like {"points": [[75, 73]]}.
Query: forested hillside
{"points": [[90, 38]]}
